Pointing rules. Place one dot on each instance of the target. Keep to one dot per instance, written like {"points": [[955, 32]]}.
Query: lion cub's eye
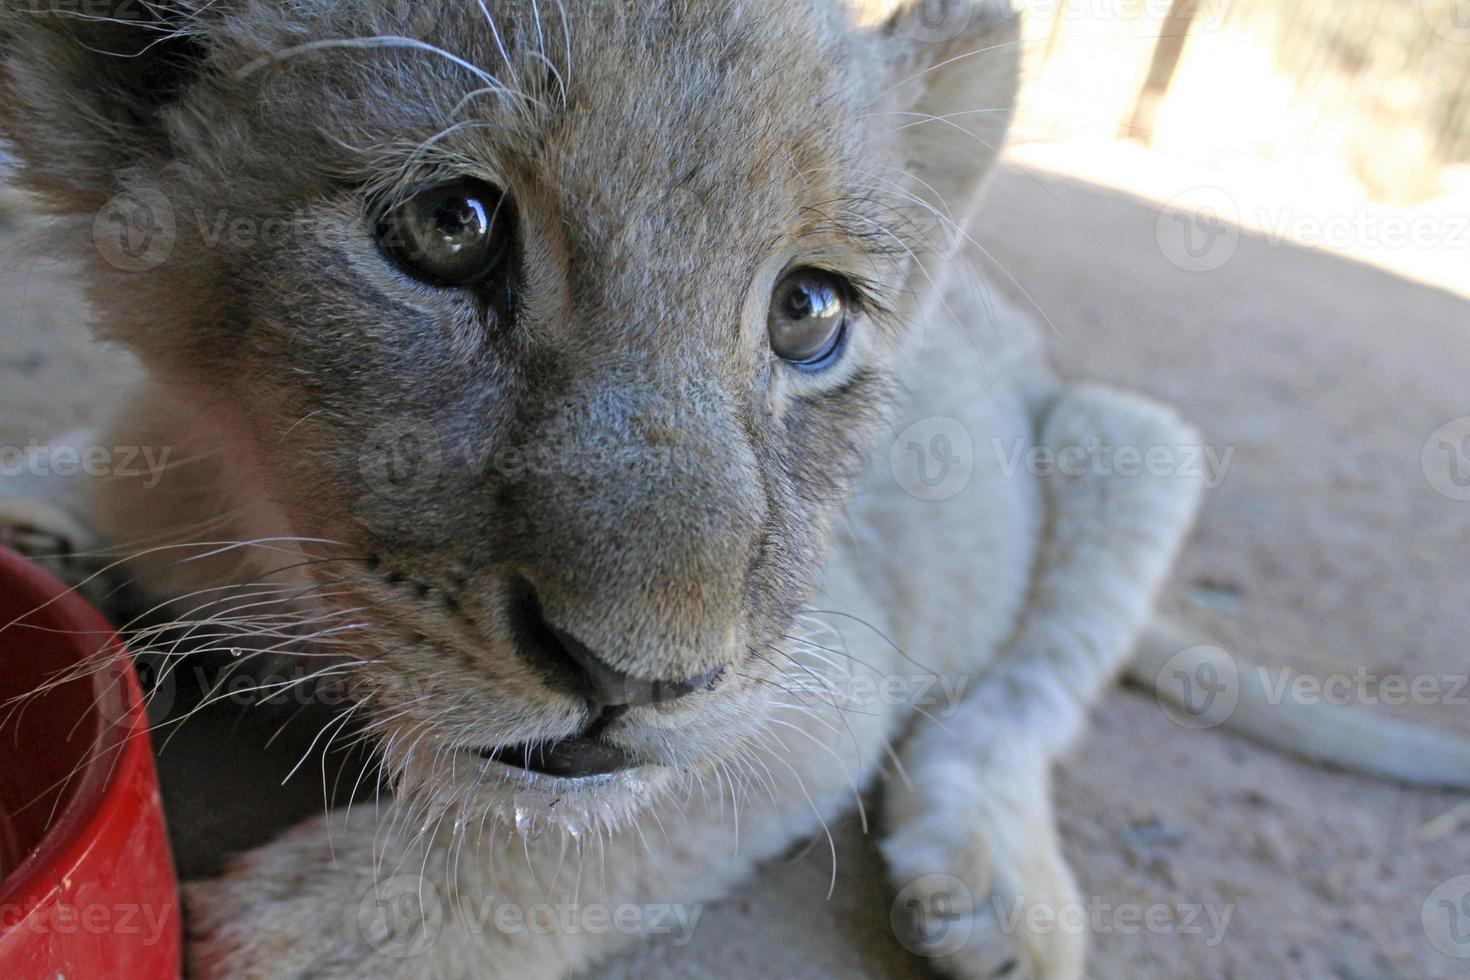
{"points": [[453, 234], [808, 318]]}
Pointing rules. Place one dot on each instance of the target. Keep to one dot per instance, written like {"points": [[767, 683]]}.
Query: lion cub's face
{"points": [[569, 325]]}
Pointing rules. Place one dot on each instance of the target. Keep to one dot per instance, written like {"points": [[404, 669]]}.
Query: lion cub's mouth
{"points": [[568, 758], [584, 754]]}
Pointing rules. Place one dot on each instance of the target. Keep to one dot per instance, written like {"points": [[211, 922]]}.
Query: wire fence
{"points": [[1377, 91]]}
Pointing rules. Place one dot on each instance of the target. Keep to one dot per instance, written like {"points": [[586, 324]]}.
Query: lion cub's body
{"points": [[890, 586]]}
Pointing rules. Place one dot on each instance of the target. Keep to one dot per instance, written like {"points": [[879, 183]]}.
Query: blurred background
{"points": [[1337, 125]]}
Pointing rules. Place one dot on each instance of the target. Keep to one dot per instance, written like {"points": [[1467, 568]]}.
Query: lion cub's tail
{"points": [[1201, 685]]}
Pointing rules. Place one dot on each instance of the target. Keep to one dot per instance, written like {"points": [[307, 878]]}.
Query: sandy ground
{"points": [[1328, 548]]}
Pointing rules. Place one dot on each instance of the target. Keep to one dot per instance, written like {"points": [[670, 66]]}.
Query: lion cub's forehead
{"points": [[659, 90], [610, 99], [747, 118], [667, 102]]}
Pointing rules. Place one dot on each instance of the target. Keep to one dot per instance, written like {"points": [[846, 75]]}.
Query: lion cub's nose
{"points": [[569, 665]]}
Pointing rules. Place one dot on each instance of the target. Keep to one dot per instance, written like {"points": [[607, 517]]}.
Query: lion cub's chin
{"points": [[474, 792]]}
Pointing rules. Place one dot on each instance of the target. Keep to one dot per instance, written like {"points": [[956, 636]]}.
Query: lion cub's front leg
{"points": [[376, 895], [983, 887], [344, 897]]}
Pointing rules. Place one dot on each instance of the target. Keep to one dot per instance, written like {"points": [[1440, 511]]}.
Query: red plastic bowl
{"points": [[87, 886]]}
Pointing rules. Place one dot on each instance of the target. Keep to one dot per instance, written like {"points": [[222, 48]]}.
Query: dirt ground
{"points": [[1328, 548]]}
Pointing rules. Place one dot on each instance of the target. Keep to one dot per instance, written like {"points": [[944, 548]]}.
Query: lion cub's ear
{"points": [[83, 88], [954, 70]]}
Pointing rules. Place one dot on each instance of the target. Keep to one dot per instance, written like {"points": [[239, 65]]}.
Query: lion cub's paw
{"points": [[982, 888], [337, 899], [287, 910]]}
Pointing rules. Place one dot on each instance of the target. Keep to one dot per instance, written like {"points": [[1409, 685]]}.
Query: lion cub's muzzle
{"points": [[570, 667]]}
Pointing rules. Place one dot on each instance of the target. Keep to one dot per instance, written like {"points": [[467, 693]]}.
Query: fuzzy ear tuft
{"points": [[83, 88], [956, 68]]}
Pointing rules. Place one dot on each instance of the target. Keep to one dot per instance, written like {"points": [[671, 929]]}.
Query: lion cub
{"points": [[590, 387]]}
